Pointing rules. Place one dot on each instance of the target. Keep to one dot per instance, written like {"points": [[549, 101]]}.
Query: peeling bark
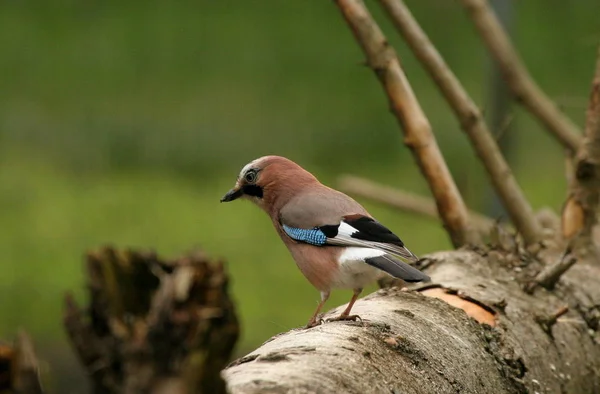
{"points": [[409, 342]]}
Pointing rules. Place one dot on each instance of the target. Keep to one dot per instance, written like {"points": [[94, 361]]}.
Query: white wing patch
{"points": [[346, 229], [344, 238], [353, 254]]}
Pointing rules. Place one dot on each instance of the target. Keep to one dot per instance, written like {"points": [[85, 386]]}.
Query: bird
{"points": [[334, 241]]}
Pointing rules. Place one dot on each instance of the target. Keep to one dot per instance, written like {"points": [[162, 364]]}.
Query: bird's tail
{"points": [[407, 254], [397, 268]]}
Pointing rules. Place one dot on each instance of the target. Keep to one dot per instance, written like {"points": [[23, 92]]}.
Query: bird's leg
{"points": [[346, 313], [313, 320]]}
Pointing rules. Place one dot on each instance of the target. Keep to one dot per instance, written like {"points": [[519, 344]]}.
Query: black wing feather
{"points": [[365, 232], [368, 229]]}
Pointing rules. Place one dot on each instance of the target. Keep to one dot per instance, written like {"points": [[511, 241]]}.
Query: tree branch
{"points": [[382, 58], [522, 85], [470, 119], [551, 274], [403, 200], [547, 322], [579, 214]]}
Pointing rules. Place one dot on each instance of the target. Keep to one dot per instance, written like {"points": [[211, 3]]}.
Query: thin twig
{"points": [[547, 322], [382, 58], [553, 318], [521, 84], [403, 200], [579, 212], [550, 275], [470, 117]]}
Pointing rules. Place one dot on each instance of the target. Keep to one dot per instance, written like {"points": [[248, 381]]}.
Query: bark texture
{"points": [[415, 342], [153, 326]]}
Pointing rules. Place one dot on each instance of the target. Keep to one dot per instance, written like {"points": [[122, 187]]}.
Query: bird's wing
{"points": [[319, 222], [364, 231], [366, 240], [319, 207]]}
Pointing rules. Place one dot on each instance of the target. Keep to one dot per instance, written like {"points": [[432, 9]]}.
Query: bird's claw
{"points": [[345, 318], [320, 320], [316, 322]]}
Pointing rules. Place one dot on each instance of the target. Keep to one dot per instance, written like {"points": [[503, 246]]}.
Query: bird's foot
{"points": [[314, 323], [345, 318]]}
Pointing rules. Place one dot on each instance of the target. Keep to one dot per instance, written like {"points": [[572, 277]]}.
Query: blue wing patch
{"points": [[312, 236]]}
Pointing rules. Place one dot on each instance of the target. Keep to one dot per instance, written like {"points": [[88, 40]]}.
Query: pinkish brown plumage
{"points": [[335, 242]]}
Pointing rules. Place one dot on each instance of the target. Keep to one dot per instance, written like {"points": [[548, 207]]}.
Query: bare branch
{"points": [[470, 118], [382, 58], [403, 200], [522, 85], [546, 322], [550, 275], [580, 210]]}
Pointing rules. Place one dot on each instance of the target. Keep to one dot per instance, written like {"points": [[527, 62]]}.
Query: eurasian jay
{"points": [[335, 242]]}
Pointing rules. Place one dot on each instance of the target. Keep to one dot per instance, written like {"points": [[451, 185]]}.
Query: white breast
{"points": [[354, 272]]}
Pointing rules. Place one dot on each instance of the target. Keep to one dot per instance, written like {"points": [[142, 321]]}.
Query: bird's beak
{"points": [[233, 194]]}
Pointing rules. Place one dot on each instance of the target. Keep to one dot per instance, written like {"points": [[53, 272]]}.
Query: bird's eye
{"points": [[250, 176]]}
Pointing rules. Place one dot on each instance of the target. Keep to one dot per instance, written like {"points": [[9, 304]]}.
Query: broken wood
{"points": [[153, 326], [19, 367]]}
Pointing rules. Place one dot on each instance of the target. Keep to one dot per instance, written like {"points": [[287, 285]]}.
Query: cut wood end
{"points": [[473, 310], [573, 218]]}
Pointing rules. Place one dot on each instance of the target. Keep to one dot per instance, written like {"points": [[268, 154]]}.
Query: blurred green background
{"points": [[124, 122]]}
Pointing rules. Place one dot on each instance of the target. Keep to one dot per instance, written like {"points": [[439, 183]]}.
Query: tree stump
{"points": [[153, 326]]}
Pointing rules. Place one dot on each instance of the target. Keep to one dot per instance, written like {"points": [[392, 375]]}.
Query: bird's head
{"points": [[269, 179]]}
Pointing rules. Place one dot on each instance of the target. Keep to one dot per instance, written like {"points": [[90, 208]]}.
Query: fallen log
{"points": [[472, 330]]}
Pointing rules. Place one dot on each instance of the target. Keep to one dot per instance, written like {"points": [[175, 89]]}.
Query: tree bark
{"points": [[415, 342]]}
